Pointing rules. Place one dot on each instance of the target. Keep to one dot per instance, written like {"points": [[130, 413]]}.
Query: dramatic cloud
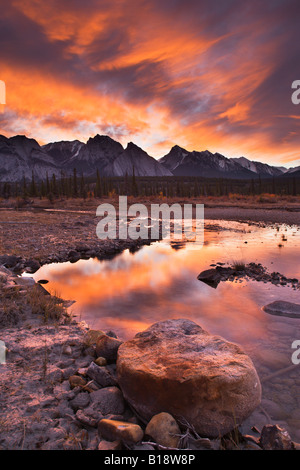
{"points": [[199, 73]]}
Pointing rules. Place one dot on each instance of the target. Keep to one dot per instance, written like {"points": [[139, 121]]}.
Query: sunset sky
{"points": [[203, 74]]}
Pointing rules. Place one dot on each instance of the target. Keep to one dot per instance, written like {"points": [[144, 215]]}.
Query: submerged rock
{"points": [[213, 277], [255, 271], [210, 277], [282, 308], [177, 367]]}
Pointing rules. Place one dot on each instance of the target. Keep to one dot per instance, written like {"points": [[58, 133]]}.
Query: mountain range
{"points": [[21, 157]]}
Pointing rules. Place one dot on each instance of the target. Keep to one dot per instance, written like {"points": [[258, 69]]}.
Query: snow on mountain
{"points": [[291, 171], [133, 158], [262, 169], [21, 156], [206, 164]]}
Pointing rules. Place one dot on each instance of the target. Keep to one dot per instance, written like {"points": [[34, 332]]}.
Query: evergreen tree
{"points": [[98, 189], [33, 189], [75, 183]]}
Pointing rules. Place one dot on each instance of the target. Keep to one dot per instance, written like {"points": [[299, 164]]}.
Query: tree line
{"points": [[78, 186]]}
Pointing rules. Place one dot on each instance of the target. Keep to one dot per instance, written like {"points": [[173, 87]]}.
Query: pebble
{"points": [[115, 430]]}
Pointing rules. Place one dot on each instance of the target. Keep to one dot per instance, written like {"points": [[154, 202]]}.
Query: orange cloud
{"points": [[155, 73]]}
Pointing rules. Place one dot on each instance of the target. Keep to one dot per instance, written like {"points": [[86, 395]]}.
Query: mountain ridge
{"points": [[21, 156]]}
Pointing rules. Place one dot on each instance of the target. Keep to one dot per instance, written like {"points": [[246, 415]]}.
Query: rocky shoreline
{"points": [[61, 390], [29, 239], [55, 387], [107, 250], [253, 271]]}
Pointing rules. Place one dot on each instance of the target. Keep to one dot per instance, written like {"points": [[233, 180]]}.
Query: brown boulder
{"points": [[177, 367]]}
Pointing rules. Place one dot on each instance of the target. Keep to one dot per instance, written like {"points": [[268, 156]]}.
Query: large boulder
{"points": [[177, 367]]}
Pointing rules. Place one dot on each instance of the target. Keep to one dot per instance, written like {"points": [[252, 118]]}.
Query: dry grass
{"points": [[50, 307], [10, 306], [239, 265]]}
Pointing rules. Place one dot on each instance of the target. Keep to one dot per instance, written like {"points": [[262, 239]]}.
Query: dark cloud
{"points": [[127, 52]]}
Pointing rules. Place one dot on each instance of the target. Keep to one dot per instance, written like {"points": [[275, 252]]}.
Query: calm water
{"points": [[132, 291]]}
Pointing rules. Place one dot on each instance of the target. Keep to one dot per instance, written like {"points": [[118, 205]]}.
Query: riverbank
{"points": [[60, 390], [46, 346], [66, 230]]}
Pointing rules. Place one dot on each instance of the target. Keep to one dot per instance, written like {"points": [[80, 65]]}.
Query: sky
{"points": [[202, 74]]}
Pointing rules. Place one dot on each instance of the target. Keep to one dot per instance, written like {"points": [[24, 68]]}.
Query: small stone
{"points": [[106, 445], [82, 371], [54, 376], [164, 430], [73, 256], [108, 400], [107, 347], [275, 438], [92, 336], [143, 447], [76, 381], [101, 375], [86, 418], [67, 350], [82, 400], [56, 433], [69, 371], [32, 265], [63, 409], [115, 430], [101, 361]]}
